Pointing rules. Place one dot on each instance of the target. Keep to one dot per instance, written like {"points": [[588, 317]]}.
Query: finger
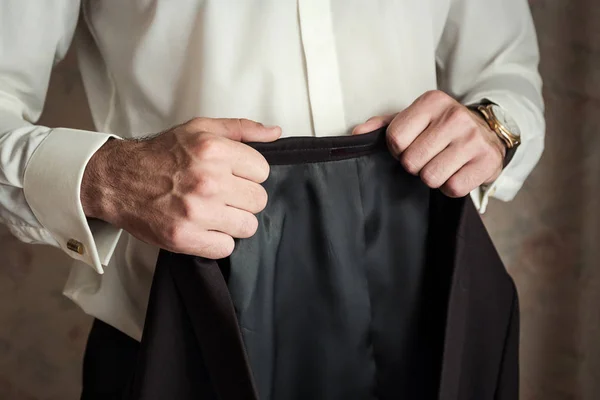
{"points": [[405, 128], [208, 244], [426, 147], [240, 130], [231, 157], [245, 195], [444, 165], [416, 118], [373, 124], [248, 163], [466, 179], [229, 220]]}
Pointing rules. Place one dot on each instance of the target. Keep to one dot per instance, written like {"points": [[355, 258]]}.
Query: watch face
{"points": [[506, 120]]}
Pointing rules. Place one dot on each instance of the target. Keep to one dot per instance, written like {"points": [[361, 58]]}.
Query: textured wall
{"points": [[42, 334], [549, 238]]}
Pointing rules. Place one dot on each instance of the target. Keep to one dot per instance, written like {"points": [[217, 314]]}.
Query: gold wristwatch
{"points": [[504, 126]]}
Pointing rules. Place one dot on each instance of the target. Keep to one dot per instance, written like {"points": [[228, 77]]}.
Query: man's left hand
{"points": [[449, 146]]}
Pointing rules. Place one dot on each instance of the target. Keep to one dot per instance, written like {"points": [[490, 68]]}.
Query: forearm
{"points": [[498, 62], [101, 179]]}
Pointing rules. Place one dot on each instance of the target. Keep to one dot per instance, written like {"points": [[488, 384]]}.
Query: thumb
{"points": [[240, 130], [373, 124]]}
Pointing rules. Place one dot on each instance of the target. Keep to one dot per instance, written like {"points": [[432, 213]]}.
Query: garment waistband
{"points": [[302, 150]]}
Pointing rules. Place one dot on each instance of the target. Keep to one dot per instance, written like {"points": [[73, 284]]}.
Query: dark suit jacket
{"points": [[431, 313]]}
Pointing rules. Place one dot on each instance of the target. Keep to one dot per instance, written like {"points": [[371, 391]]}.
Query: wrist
{"points": [[497, 140], [98, 186]]}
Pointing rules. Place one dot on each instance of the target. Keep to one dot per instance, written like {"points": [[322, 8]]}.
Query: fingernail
{"points": [[271, 127]]}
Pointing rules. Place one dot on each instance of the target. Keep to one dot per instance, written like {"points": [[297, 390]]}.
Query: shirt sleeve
{"points": [[41, 168], [489, 50]]}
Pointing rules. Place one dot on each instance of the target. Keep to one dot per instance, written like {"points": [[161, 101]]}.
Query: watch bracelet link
{"points": [[511, 143], [509, 139]]}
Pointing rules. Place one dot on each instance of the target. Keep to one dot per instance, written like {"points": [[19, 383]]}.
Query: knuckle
{"points": [[430, 178], [196, 123], [173, 236], [187, 209], [455, 188], [245, 123], [208, 146], [219, 247], [461, 117], [473, 136], [481, 149], [408, 163], [395, 144], [436, 96], [207, 185]]}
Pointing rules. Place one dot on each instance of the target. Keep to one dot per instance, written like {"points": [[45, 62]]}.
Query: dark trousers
{"points": [[361, 283]]}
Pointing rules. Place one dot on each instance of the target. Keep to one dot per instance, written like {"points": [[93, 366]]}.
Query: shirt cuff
{"points": [[52, 185], [503, 188]]}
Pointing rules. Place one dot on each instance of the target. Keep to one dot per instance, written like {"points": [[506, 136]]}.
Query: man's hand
{"points": [[442, 141], [191, 189]]}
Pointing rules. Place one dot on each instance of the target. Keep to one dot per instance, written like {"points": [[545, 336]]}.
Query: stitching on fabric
{"points": [[328, 149], [370, 330]]}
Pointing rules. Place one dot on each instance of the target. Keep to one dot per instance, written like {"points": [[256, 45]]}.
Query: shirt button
{"points": [[75, 245]]}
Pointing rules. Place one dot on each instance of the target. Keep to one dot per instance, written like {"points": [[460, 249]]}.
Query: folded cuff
{"points": [[504, 188], [52, 185]]}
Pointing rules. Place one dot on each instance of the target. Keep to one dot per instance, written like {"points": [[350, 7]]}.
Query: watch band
{"points": [[510, 152]]}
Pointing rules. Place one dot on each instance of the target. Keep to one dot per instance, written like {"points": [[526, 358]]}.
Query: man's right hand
{"points": [[191, 189]]}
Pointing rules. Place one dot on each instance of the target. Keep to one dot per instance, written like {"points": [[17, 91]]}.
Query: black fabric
{"points": [[361, 283], [109, 363]]}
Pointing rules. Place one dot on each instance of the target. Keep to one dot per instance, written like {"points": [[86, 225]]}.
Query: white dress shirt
{"points": [[314, 67]]}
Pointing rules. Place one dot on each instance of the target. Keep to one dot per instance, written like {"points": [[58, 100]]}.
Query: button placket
{"points": [[324, 87]]}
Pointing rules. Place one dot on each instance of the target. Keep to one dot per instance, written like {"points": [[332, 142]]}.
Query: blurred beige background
{"points": [[549, 238]]}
